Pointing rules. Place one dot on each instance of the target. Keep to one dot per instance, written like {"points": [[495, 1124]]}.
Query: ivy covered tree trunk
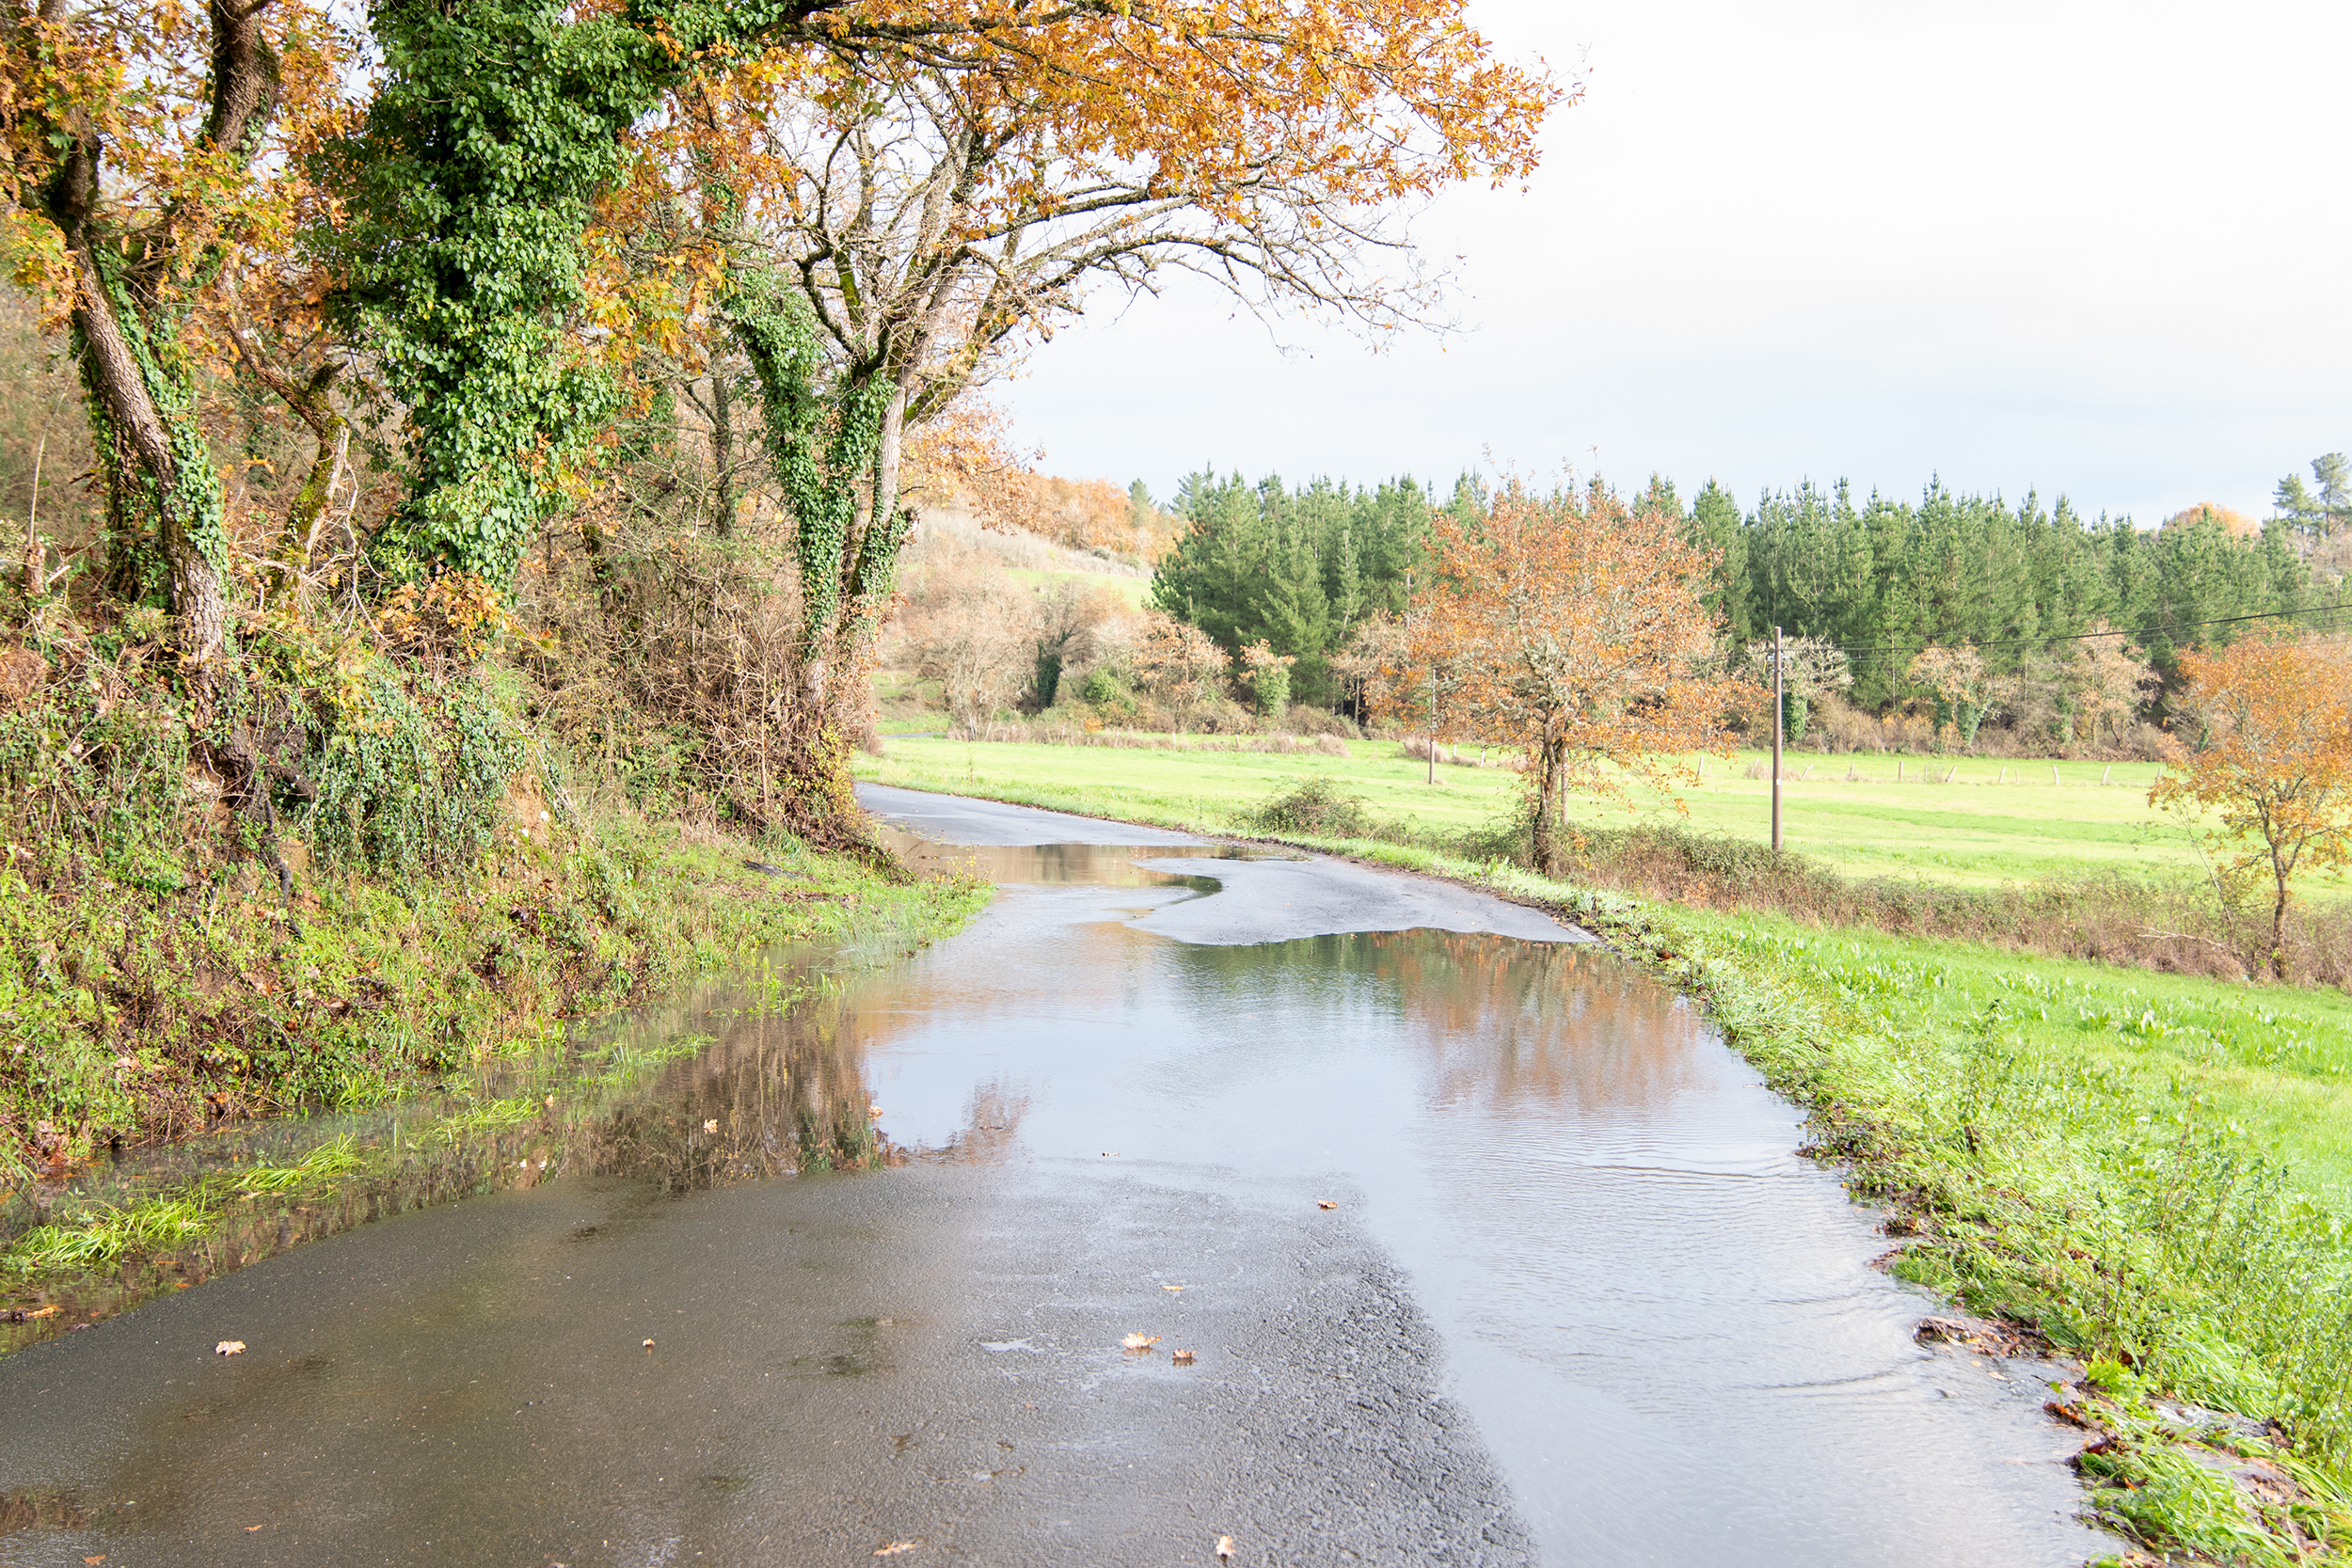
{"points": [[132, 279], [836, 454], [164, 511]]}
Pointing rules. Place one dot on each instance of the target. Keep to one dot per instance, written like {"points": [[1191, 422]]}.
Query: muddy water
{"points": [[1574, 1299]]}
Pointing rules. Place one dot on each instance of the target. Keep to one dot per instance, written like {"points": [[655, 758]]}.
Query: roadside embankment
{"points": [[330, 877]]}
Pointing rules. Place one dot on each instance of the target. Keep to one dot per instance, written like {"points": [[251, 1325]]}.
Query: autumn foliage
{"points": [[2276, 771], [1573, 624]]}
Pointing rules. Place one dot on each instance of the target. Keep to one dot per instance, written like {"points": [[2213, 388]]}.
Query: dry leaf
{"points": [[49, 1311], [1224, 1547], [1171, 1287], [250, 1529], [1110, 1154], [710, 1124], [1182, 1358], [1140, 1342], [895, 1547], [94, 1562], [1325, 1203], [875, 1111], [649, 1344], [230, 1347]]}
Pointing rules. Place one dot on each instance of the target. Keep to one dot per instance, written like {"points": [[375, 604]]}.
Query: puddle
{"points": [[748, 1078]]}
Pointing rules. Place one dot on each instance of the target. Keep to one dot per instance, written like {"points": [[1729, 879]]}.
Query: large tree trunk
{"points": [[161, 491], [164, 501]]}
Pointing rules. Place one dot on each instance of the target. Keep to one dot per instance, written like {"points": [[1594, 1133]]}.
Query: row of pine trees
{"points": [[1300, 567]]}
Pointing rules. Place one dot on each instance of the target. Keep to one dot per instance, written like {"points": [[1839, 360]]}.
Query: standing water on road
{"points": [[1485, 1250]]}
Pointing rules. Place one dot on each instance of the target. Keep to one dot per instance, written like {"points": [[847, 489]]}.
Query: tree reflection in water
{"points": [[652, 1097]]}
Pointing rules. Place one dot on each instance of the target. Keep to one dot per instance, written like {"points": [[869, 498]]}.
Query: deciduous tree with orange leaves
{"points": [[1580, 630], [2276, 767]]}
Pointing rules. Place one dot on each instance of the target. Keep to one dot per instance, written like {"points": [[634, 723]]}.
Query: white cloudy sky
{"points": [[2097, 249]]}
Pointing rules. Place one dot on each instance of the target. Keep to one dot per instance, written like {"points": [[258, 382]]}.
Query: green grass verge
{"points": [[135, 1016], [2151, 1172], [1978, 831]]}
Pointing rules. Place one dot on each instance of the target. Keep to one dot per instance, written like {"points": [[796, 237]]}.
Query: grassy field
{"points": [[1851, 814]]}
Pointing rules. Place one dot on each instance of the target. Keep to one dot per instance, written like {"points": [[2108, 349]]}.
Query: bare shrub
{"points": [[976, 632], [1178, 664]]}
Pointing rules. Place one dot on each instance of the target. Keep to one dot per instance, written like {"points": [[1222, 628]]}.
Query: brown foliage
{"points": [[2277, 766], [1575, 627]]}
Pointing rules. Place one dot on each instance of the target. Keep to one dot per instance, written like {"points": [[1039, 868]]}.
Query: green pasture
{"points": [[1965, 821], [2267, 1065]]}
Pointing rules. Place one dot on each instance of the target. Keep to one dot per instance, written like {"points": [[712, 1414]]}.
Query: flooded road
{"points": [[1485, 1250]]}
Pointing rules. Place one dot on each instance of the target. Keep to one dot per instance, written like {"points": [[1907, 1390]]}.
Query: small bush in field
{"points": [[1315, 806]]}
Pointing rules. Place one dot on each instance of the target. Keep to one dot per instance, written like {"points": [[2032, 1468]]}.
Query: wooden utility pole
{"points": [[1433, 720], [1779, 709]]}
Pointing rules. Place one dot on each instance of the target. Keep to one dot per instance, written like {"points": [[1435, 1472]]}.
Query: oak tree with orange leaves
{"points": [[2276, 768], [1579, 632]]}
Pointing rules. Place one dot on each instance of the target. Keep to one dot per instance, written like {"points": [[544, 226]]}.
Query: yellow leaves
{"points": [[230, 1347], [649, 1344], [1182, 1358], [895, 1547], [1135, 1344]]}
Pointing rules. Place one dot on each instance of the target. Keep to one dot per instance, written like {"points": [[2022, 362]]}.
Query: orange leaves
{"points": [[1574, 625], [1136, 1343], [132, 81], [941, 179], [2276, 768]]}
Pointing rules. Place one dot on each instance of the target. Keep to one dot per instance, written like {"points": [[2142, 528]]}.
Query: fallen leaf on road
{"points": [[895, 1547], [1325, 1203], [1171, 1287], [1182, 1358], [710, 1124], [250, 1529], [1140, 1342], [1110, 1154], [1225, 1547], [649, 1344], [230, 1347], [94, 1562]]}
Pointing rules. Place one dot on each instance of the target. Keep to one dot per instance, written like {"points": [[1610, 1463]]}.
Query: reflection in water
{"points": [[1501, 1023], [758, 1077]]}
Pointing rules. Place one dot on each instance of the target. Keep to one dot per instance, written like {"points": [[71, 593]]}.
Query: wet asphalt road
{"points": [[1574, 1302]]}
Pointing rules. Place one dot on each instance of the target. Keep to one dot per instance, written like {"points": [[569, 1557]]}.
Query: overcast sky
{"points": [[2093, 249]]}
